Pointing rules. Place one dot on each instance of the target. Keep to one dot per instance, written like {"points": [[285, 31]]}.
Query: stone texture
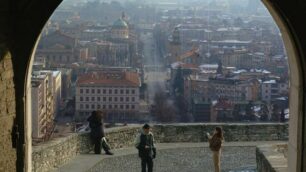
{"points": [[196, 159], [55, 153], [59, 151], [232, 132], [272, 158], [7, 113]]}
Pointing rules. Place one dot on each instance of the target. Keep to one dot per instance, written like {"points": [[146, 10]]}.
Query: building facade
{"points": [[273, 89], [61, 50], [114, 92], [42, 107]]}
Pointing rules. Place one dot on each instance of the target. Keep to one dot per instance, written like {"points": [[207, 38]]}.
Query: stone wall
{"points": [[58, 152], [232, 132], [272, 158], [7, 112]]}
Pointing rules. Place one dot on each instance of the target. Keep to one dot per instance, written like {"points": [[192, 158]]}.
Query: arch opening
{"points": [[295, 84]]}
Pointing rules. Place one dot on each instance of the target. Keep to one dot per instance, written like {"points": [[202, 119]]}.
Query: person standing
{"points": [[97, 134], [215, 144], [144, 142]]}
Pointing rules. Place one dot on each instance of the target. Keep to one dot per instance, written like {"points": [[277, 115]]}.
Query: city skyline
{"points": [[198, 63]]}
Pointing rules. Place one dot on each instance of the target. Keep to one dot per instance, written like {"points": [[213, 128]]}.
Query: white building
{"points": [[115, 92], [38, 109], [272, 89], [55, 84], [42, 106], [46, 98]]}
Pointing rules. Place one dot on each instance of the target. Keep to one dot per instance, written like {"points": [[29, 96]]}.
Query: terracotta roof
{"points": [[223, 104], [184, 65], [188, 66], [107, 78], [60, 33], [194, 53]]}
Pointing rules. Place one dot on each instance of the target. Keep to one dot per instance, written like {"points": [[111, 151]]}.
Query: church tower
{"points": [[175, 45]]}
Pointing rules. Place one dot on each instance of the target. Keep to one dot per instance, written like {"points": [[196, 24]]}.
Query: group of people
{"points": [[144, 142]]}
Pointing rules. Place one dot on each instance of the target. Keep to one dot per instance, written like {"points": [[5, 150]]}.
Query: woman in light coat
{"points": [[215, 144]]}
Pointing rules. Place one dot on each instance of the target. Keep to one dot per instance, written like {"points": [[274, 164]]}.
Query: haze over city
{"points": [[158, 61]]}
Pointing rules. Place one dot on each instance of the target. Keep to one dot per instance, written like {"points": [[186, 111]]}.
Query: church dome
{"points": [[120, 24]]}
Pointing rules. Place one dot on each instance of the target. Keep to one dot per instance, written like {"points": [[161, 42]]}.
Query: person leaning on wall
{"points": [[97, 134], [215, 145]]}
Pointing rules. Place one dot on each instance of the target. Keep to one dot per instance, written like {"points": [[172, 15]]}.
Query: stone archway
{"points": [[21, 24], [291, 38]]}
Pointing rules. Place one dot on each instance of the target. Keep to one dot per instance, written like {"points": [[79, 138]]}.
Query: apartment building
{"points": [[115, 92], [272, 89], [42, 107]]}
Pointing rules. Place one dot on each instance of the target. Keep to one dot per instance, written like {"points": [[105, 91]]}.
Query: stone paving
{"points": [[197, 159], [171, 157]]}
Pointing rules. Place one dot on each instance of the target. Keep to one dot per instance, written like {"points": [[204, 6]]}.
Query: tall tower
{"points": [[175, 45], [176, 36]]}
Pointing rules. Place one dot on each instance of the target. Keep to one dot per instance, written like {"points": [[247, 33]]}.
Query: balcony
{"points": [[181, 147]]}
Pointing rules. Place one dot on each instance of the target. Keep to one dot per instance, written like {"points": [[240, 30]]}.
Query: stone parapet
{"points": [[57, 152], [54, 153], [272, 158], [233, 132]]}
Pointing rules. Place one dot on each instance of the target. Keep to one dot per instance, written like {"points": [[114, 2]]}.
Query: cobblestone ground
{"points": [[185, 160]]}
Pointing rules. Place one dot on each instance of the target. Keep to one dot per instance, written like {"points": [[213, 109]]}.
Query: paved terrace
{"points": [[181, 148], [176, 157]]}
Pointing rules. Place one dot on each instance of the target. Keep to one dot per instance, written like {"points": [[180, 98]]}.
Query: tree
{"points": [[275, 113], [178, 83], [182, 108], [249, 112], [264, 112], [236, 113], [220, 69], [282, 116], [163, 110]]}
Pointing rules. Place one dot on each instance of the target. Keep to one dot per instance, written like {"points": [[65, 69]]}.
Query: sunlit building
{"points": [[42, 106], [115, 92]]}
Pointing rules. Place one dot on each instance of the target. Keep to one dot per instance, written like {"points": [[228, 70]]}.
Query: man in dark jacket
{"points": [[97, 132], [144, 142]]}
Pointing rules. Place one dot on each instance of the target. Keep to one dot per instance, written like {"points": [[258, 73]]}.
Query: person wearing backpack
{"points": [[215, 144], [144, 142]]}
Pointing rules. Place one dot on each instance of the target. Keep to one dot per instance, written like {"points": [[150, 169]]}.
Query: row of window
{"points": [[93, 106], [275, 85], [227, 91], [272, 91], [109, 99], [105, 91]]}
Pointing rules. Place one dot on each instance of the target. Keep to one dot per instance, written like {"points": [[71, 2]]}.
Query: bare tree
{"points": [[163, 110]]}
